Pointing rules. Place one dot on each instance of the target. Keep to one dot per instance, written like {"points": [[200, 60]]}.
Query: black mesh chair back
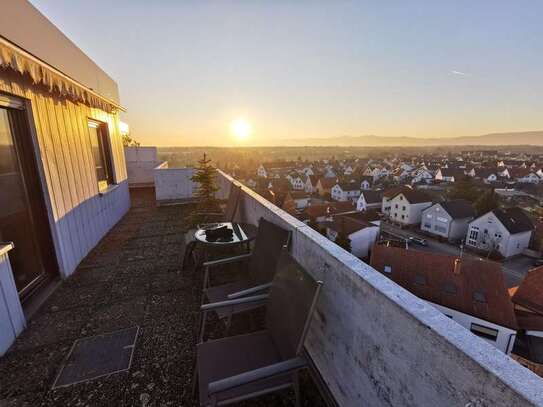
{"points": [[269, 243], [293, 297], [232, 203]]}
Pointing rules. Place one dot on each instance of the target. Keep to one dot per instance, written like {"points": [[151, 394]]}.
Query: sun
{"points": [[241, 128]]}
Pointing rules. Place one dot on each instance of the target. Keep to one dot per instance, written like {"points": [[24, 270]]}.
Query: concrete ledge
{"points": [[376, 344]]}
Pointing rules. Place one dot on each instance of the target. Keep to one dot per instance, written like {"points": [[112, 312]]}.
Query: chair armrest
{"points": [[229, 303], [227, 260], [251, 376], [248, 291]]}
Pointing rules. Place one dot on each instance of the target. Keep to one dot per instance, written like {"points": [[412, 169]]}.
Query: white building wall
{"points": [[517, 243], [363, 240], [489, 231], [411, 214], [415, 212], [506, 336], [140, 163], [436, 221], [458, 228], [173, 183]]}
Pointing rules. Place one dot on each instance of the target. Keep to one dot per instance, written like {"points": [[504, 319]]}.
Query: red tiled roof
{"points": [[530, 292], [346, 225], [458, 291], [392, 192], [328, 182]]}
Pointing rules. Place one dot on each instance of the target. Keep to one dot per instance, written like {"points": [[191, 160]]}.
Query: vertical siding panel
{"points": [[44, 153], [81, 216], [65, 223], [74, 225], [45, 137], [79, 187], [80, 132]]}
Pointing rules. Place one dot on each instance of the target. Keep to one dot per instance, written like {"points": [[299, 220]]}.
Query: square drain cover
{"points": [[98, 356]]}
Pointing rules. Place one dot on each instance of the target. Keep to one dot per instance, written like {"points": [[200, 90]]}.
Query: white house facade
{"points": [[498, 336], [369, 200], [406, 207], [507, 231], [345, 192], [449, 220]]}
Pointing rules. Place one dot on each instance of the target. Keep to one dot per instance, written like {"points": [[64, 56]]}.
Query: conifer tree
{"points": [[206, 188]]}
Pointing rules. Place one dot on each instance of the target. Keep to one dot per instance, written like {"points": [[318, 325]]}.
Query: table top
{"points": [[242, 233]]}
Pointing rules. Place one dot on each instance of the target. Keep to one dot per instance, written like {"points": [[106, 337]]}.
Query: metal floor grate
{"points": [[98, 356]]}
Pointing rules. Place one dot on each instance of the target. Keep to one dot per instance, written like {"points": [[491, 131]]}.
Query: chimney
{"points": [[457, 264]]}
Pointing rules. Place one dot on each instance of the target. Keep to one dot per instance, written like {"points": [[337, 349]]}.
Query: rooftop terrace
{"points": [[132, 278], [371, 342]]}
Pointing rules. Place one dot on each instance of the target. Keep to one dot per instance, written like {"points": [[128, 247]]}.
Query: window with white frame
{"points": [[484, 332], [473, 236], [101, 153]]}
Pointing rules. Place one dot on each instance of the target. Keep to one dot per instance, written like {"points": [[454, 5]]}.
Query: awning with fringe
{"points": [[12, 57]]}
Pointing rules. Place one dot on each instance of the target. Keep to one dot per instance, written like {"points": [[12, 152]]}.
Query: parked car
{"points": [[418, 240]]}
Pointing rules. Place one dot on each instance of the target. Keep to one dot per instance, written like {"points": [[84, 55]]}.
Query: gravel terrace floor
{"points": [[133, 277]]}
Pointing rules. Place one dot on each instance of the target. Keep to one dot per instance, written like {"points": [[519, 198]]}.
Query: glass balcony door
{"points": [[17, 223]]}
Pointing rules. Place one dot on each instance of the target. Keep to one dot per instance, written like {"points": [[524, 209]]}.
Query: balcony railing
{"points": [[376, 344]]}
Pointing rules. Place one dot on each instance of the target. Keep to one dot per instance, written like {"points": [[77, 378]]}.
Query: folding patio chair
{"points": [[230, 209], [261, 268], [240, 367], [227, 216]]}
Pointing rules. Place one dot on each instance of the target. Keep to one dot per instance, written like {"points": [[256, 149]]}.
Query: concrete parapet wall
{"points": [[173, 183], [375, 344]]}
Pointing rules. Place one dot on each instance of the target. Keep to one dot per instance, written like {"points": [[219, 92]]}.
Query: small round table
{"points": [[241, 233]]}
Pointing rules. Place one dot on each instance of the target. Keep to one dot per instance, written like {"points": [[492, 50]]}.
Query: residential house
{"points": [[407, 205], [422, 175], [449, 219], [297, 199], [62, 166], [279, 184], [369, 200], [528, 305], [470, 291], [388, 194], [261, 171], [365, 182], [449, 174], [325, 184], [361, 234], [298, 183], [524, 175], [310, 185], [507, 231], [345, 191], [487, 175]]}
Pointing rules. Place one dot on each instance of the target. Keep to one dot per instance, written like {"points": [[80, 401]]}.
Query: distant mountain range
{"points": [[493, 139]]}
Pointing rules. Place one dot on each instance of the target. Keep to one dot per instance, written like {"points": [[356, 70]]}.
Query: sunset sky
{"points": [[259, 72]]}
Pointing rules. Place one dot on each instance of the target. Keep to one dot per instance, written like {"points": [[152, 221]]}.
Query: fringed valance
{"points": [[53, 80]]}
